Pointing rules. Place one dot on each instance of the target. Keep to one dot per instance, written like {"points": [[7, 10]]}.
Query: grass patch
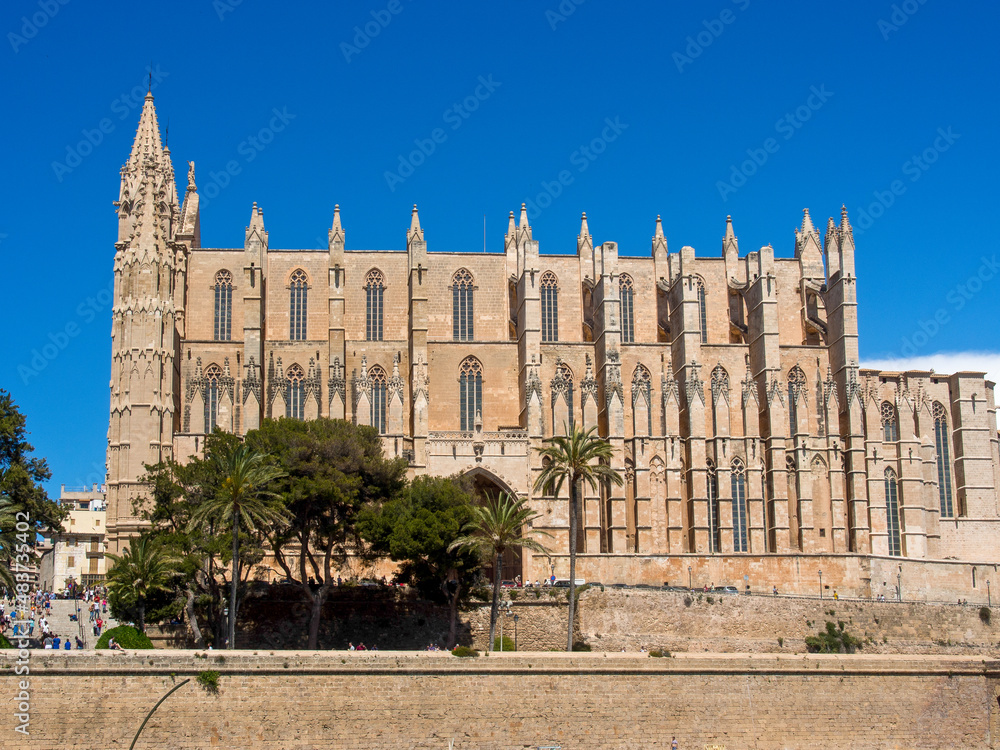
{"points": [[209, 680]]}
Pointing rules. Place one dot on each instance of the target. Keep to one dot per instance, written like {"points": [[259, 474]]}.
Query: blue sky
{"points": [[691, 111]]}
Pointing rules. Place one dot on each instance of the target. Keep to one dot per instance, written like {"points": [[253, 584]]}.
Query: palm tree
{"points": [[241, 500], [581, 457], [143, 569], [494, 528]]}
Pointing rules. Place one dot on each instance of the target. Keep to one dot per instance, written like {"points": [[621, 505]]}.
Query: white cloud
{"points": [[945, 363]]}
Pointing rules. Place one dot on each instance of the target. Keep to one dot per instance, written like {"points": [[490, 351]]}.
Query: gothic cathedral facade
{"points": [[728, 386]]}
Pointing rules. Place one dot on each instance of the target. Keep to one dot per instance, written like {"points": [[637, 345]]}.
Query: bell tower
{"points": [[147, 267]]}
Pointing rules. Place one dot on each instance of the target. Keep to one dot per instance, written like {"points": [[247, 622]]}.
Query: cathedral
{"points": [[755, 449]]}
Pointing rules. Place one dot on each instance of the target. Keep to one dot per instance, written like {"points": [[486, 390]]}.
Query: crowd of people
{"points": [[20, 618]]}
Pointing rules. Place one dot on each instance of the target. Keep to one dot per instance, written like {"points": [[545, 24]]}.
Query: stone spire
{"points": [[414, 232], [729, 243], [523, 229], [831, 248], [336, 233], [807, 248], [510, 239], [584, 240], [190, 222], [146, 145]]}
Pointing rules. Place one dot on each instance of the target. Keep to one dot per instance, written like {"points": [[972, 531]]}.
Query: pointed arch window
{"points": [[702, 312], [892, 513], [378, 380], [626, 294], [470, 393], [374, 289], [741, 533], [223, 306], [212, 377], [712, 485], [462, 289], [298, 289], [550, 307], [943, 459], [295, 382], [562, 386], [890, 422]]}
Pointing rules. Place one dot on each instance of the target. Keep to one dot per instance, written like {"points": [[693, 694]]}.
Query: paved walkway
{"points": [[61, 624]]}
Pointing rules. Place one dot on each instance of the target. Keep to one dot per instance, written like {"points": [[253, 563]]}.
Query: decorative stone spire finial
{"points": [[415, 232]]}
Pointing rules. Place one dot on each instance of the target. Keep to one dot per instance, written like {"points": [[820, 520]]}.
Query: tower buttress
{"points": [[143, 335]]}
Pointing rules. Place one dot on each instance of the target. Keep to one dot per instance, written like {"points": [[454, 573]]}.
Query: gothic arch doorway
{"points": [[486, 486]]}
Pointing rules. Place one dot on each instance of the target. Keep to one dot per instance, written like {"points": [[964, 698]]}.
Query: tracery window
{"points": [[741, 534], [713, 509], [462, 309], [212, 376], [223, 306], [562, 384], [642, 385], [550, 307], [377, 378], [295, 406], [943, 459], [890, 422], [297, 306], [626, 294], [374, 289], [892, 512], [470, 393], [702, 313]]}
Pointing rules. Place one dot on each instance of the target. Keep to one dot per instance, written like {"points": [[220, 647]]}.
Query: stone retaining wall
{"points": [[84, 700]]}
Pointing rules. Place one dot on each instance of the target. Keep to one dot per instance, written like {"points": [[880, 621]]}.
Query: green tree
{"points": [[332, 469], [143, 569], [176, 491], [9, 547], [496, 527], [579, 458], [416, 529], [242, 501], [21, 477]]}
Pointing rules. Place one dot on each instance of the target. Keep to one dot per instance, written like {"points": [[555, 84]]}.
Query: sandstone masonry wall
{"points": [[85, 700]]}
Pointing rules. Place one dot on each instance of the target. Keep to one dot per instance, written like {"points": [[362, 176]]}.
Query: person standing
{"points": [[673, 743]]}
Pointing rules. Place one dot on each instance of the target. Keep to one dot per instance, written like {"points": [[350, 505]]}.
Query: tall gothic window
{"points": [[297, 306], [212, 375], [461, 306], [943, 459], [223, 306], [550, 307], [702, 313], [563, 383], [642, 385], [626, 293], [713, 509], [741, 534], [295, 406], [376, 376], [374, 289], [890, 422], [470, 394], [892, 512]]}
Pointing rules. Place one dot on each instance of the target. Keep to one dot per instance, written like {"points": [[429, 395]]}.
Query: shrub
{"points": [[464, 651], [513, 595], [538, 593], [209, 680], [482, 593], [710, 600], [781, 642], [581, 646], [4, 643], [688, 601], [833, 640], [126, 636], [508, 644], [660, 653], [985, 615]]}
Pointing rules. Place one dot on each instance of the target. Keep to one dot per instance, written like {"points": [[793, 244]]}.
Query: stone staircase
{"points": [[61, 624]]}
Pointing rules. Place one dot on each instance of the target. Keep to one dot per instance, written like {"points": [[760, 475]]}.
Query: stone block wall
{"points": [[307, 701]]}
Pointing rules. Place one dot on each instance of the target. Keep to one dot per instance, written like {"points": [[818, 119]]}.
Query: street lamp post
{"points": [[899, 585], [820, 583], [690, 580], [989, 599], [515, 632]]}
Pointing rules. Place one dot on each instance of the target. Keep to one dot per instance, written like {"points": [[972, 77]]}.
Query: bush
{"points": [[508, 644], [513, 594], [710, 600], [126, 636], [781, 642], [482, 593], [4, 643], [660, 653], [581, 646], [833, 640], [464, 651], [209, 680], [985, 615], [688, 601]]}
